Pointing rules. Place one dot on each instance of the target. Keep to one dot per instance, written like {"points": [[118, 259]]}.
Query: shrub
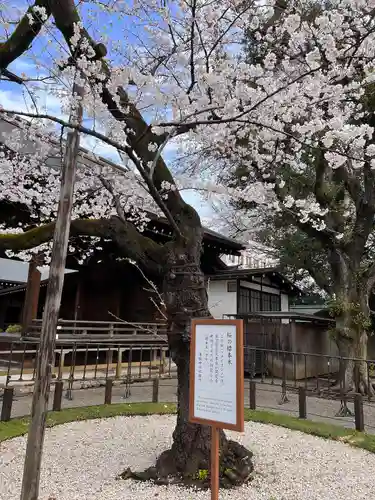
{"points": [[14, 329]]}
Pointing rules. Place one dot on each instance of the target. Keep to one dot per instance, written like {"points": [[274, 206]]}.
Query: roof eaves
{"points": [[243, 273]]}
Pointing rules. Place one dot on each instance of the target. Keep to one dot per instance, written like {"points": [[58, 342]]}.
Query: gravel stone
{"points": [[82, 459]]}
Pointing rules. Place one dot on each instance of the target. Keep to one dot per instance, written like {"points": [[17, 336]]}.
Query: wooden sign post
{"points": [[217, 382]]}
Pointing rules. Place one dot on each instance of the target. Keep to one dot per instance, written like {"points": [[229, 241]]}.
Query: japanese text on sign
{"points": [[215, 396]]}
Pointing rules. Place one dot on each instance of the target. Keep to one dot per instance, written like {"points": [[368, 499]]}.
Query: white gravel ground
{"points": [[82, 459]]}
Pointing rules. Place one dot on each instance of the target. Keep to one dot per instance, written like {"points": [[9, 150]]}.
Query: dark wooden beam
{"points": [[30, 307]]}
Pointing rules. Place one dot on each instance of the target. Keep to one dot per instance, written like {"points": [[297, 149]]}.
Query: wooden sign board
{"points": [[217, 374]]}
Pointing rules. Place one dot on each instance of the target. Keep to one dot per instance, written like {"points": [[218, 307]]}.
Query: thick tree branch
{"points": [[319, 276], [301, 252], [321, 168], [132, 244], [369, 276], [24, 34], [66, 16], [351, 183], [364, 200], [325, 236]]}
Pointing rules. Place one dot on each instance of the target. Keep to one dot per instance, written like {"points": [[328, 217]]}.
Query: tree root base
{"points": [[365, 389], [344, 411], [236, 469]]}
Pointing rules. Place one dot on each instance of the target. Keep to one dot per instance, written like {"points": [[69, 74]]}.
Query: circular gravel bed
{"points": [[82, 459]]}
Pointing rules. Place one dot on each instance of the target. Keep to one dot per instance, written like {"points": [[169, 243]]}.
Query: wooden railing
{"points": [[80, 362], [107, 331]]}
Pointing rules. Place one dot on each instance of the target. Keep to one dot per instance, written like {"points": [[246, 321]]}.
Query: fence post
{"points": [[302, 402], [108, 391], [61, 363], [284, 397], [252, 395], [6, 410], [162, 360], [358, 413], [110, 351], [155, 390], [119, 363], [57, 397]]}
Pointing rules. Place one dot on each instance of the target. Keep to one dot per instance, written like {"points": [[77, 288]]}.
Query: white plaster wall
{"points": [[284, 301], [220, 301]]}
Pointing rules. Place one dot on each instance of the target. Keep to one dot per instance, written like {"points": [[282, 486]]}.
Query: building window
{"points": [[275, 303], [256, 301], [244, 301]]}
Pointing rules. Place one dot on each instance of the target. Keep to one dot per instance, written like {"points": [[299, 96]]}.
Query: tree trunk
{"points": [[354, 374], [190, 451], [352, 327], [188, 460], [352, 313]]}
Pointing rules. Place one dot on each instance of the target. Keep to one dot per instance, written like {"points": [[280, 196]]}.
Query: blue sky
{"points": [[15, 97]]}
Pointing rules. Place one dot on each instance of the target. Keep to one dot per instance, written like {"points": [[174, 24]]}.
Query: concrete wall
{"points": [[220, 301]]}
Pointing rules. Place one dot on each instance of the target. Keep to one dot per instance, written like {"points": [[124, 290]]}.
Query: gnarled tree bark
{"points": [[352, 324], [185, 295]]}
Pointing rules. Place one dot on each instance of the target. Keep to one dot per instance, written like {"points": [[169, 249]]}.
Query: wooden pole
{"points": [[77, 301], [119, 363], [33, 458], [6, 410], [358, 412], [253, 386], [30, 306], [302, 402], [59, 386], [214, 463], [108, 391], [155, 390]]}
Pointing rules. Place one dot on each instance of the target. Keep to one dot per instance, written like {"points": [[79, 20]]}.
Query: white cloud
{"points": [[27, 67], [12, 100], [21, 101]]}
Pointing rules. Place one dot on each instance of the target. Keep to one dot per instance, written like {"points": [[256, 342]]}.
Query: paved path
{"points": [[267, 397]]}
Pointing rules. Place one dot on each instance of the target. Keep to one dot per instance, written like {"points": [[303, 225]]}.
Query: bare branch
{"points": [[138, 326], [108, 186]]}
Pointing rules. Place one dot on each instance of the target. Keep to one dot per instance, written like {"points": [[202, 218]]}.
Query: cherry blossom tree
{"points": [[311, 147], [109, 205], [179, 73]]}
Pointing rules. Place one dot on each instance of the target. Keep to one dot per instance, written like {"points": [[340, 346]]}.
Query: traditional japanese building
{"points": [[105, 288]]}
